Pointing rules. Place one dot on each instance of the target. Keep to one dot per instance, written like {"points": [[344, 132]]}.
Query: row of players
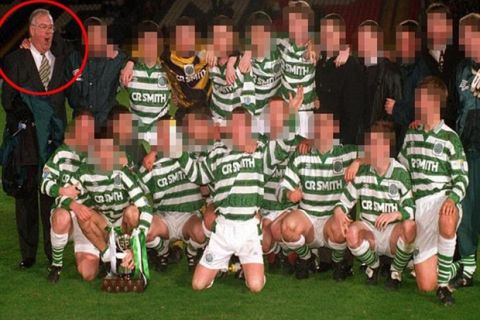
{"points": [[267, 195]]}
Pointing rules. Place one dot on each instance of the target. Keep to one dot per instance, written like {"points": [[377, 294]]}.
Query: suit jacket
{"points": [[20, 67]]}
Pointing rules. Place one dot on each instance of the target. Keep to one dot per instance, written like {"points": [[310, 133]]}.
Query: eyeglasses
{"points": [[49, 27]]}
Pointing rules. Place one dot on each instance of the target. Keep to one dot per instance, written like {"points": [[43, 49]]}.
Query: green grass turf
{"points": [[28, 295]]}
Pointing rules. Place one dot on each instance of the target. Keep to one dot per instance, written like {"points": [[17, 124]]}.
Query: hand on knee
{"points": [[447, 227], [289, 231], [353, 240]]}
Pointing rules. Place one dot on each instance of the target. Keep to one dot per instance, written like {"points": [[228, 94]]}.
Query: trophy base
{"points": [[118, 284]]}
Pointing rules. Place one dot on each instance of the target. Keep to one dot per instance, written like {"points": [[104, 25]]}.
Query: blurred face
{"points": [[185, 37], [439, 30], [325, 129], [298, 27], [123, 128], [241, 131], [198, 130], [261, 41], [470, 41], [222, 40], [148, 43], [103, 155], [407, 45], [427, 104], [84, 132], [368, 42], [377, 148], [41, 32], [97, 39], [163, 137], [332, 37], [278, 118]]}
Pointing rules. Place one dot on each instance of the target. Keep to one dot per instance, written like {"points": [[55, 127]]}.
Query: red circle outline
{"points": [[84, 36]]}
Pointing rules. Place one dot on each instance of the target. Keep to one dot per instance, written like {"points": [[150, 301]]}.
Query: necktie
{"points": [[441, 60], [45, 71]]}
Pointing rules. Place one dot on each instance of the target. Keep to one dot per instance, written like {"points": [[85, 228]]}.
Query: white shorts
{"points": [[80, 241], [175, 222], [272, 215], [242, 238], [318, 223], [382, 238], [426, 218], [305, 124]]}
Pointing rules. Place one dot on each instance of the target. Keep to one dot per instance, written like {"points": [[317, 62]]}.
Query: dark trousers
{"points": [[27, 212]]}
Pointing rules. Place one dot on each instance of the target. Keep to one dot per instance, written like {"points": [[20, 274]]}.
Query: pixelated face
{"points": [[241, 130], [332, 36], [223, 40], [261, 40], [84, 132], [103, 154], [407, 45], [185, 39], [148, 45], [123, 128], [377, 147], [368, 42], [278, 114], [163, 137], [325, 128], [97, 38], [439, 30], [470, 42], [198, 130], [298, 27], [41, 32], [427, 103]]}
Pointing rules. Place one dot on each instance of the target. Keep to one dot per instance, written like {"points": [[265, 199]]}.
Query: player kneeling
{"points": [[110, 197], [435, 157], [382, 189], [316, 181], [58, 170], [176, 201]]}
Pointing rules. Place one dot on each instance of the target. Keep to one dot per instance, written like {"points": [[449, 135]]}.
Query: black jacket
{"points": [[340, 92], [380, 82]]}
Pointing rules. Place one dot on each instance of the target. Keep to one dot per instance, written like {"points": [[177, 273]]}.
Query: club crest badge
{"points": [[277, 67], [117, 180], [189, 70], [393, 190], [209, 257], [162, 81], [438, 148], [45, 173], [338, 166]]}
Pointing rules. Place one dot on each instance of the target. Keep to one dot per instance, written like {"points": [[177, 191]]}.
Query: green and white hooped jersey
{"points": [[377, 194], [238, 177], [225, 97], [320, 177], [110, 193], [436, 161], [149, 94], [58, 170], [272, 184], [170, 188], [267, 76], [296, 71]]}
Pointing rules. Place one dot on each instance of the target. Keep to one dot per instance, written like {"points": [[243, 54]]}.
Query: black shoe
{"points": [[303, 267], [385, 264], [393, 280], [324, 266], [363, 267], [54, 274], [159, 262], [287, 266], [192, 260], [462, 281], [445, 296], [341, 271], [372, 275], [26, 263], [274, 262]]}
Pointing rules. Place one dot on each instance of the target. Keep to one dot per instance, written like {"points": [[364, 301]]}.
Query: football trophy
{"points": [[122, 279]]}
